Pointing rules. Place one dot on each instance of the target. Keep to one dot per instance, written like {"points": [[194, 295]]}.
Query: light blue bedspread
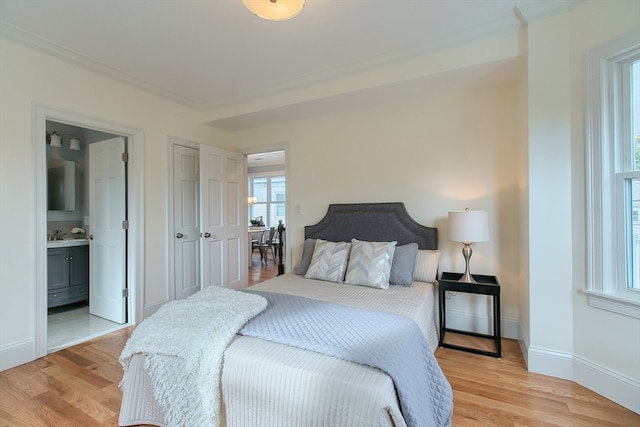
{"points": [[389, 342]]}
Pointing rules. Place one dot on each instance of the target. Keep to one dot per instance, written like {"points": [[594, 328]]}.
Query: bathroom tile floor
{"points": [[72, 324]]}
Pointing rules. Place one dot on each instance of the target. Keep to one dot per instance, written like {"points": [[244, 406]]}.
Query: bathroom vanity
{"points": [[67, 272]]}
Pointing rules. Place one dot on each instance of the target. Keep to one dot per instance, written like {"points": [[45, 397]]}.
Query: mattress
{"points": [[270, 384]]}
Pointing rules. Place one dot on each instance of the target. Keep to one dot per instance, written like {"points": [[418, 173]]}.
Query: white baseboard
{"points": [[523, 343], [608, 383], [481, 324], [550, 362], [17, 354], [152, 308]]}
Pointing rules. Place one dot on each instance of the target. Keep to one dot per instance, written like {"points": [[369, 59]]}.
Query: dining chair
{"points": [[263, 245]]}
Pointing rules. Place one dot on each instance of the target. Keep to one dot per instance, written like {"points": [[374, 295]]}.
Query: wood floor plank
{"points": [[81, 372], [28, 377], [17, 406], [68, 382], [73, 356], [57, 411], [91, 407]]}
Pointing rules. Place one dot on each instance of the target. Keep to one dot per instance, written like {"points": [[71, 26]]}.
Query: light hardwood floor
{"points": [[78, 386]]}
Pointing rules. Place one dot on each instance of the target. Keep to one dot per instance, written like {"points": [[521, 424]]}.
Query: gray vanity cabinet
{"points": [[67, 275]]}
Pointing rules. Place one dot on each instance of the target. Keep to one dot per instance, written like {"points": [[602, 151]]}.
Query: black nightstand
{"points": [[487, 285]]}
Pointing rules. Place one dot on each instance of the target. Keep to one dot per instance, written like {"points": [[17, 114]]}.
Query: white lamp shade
{"points": [[74, 144], [468, 226], [278, 10], [56, 140]]}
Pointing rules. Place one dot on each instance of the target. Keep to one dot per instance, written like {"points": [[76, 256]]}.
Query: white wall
{"points": [[435, 153], [549, 157], [596, 348], [606, 345], [523, 202], [29, 78]]}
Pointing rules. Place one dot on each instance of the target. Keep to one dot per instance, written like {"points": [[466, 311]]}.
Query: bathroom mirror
{"points": [[61, 185]]}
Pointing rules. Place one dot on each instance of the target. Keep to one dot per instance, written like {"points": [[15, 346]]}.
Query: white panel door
{"points": [[107, 254], [224, 229], [186, 220]]}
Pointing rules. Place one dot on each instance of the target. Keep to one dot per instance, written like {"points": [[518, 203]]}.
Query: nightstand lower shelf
{"points": [[487, 285]]}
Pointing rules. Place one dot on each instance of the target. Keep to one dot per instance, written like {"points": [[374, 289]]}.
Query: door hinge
{"points": [[125, 293], [125, 157], [125, 224]]}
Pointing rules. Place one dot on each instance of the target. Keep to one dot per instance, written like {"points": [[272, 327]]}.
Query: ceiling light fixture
{"points": [[274, 10]]}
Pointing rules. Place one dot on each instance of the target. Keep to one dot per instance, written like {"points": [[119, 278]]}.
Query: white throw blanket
{"points": [[184, 342]]}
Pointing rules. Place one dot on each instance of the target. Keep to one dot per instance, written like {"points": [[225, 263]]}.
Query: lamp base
{"points": [[466, 252], [467, 278]]}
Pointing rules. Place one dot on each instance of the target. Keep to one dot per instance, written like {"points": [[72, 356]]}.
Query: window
{"points": [[613, 178], [270, 194]]}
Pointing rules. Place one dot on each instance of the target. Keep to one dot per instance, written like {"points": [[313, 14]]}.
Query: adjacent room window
{"points": [[270, 194], [613, 171]]}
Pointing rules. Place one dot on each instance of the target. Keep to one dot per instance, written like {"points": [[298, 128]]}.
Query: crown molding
{"points": [[529, 12], [38, 43]]}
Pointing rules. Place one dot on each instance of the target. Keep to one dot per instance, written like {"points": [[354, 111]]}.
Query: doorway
{"points": [[63, 318], [267, 191], [70, 287]]}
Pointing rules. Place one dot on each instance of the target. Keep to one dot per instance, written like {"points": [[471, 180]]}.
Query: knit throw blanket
{"points": [[183, 344]]}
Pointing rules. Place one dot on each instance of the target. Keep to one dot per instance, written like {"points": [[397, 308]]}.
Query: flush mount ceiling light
{"points": [[274, 10]]}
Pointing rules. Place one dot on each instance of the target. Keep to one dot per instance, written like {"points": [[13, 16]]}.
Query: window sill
{"points": [[618, 303]]}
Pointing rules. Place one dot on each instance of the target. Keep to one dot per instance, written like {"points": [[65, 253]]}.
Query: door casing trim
{"points": [[283, 146], [135, 190]]}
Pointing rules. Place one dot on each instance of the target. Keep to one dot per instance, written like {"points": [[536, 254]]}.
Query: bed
{"points": [[266, 382]]}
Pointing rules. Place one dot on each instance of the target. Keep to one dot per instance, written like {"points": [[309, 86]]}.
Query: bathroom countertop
{"points": [[66, 243]]}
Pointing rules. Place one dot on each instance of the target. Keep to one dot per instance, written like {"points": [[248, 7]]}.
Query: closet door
{"points": [[186, 221], [222, 214]]}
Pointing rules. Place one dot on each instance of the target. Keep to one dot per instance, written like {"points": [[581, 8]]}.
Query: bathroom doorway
{"points": [[69, 233], [70, 265]]}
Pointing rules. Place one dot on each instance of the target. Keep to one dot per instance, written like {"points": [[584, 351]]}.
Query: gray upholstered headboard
{"points": [[372, 222]]}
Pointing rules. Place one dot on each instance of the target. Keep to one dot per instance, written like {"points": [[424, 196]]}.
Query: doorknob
{"points": [[90, 236], [207, 235], [179, 235]]}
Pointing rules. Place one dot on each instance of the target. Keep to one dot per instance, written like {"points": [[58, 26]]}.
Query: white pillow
{"points": [[426, 267], [370, 263], [329, 261]]}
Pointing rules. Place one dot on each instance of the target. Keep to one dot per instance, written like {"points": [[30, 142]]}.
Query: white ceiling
{"points": [[214, 55], [274, 158]]}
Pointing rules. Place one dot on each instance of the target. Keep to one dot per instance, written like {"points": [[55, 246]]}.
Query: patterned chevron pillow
{"points": [[329, 261], [370, 263]]}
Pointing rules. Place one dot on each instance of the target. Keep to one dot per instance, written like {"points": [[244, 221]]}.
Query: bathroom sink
{"points": [[66, 243]]}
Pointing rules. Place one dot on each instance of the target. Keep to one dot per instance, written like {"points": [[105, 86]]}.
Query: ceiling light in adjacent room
{"points": [[274, 10], [55, 140], [74, 144]]}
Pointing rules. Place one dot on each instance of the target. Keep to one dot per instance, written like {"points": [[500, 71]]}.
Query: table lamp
{"points": [[468, 227]]}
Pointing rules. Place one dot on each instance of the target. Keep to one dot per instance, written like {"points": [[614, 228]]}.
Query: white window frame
{"points": [[607, 158], [269, 202]]}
